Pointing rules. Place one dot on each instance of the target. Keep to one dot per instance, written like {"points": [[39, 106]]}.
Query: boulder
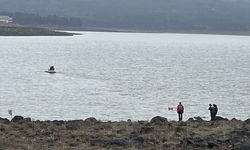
{"points": [[91, 120], [72, 144], [74, 124], [247, 121], [234, 119], [190, 120], [4, 120], [58, 122], [146, 130], [27, 119], [218, 118], [240, 137], [158, 120], [118, 142], [17, 119], [97, 142], [190, 141], [181, 123], [212, 145], [245, 147], [137, 141], [198, 142], [242, 132], [76, 121], [198, 119]]}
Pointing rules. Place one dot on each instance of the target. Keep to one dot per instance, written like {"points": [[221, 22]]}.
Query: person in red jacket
{"points": [[180, 110]]}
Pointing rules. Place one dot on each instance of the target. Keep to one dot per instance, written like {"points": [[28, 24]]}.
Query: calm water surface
{"points": [[120, 76]]}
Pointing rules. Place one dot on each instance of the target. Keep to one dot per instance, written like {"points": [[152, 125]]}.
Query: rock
{"points": [[190, 120], [190, 141], [212, 145], [58, 122], [180, 129], [146, 130], [240, 137], [181, 123], [97, 142], [142, 122], [247, 121], [137, 141], [197, 142], [202, 143], [198, 119], [120, 131], [218, 118], [158, 120], [76, 121], [235, 139], [91, 120], [27, 119], [245, 147], [221, 141], [242, 132], [234, 119], [118, 142], [4, 120], [74, 124], [133, 134], [73, 144], [17, 119], [176, 146]]}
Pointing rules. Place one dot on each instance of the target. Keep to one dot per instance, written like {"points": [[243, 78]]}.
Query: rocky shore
{"points": [[158, 133]]}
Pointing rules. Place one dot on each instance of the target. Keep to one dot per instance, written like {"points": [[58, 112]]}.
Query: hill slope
{"points": [[147, 15]]}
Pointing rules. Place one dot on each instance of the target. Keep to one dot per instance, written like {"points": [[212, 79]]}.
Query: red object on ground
{"points": [[170, 108]]}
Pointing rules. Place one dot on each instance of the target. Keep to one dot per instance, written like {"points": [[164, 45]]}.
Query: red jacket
{"points": [[180, 108]]}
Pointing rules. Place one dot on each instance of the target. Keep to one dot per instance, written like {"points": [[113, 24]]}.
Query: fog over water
{"points": [[120, 76]]}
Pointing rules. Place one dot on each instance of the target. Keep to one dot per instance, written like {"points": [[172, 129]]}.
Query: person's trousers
{"points": [[180, 116]]}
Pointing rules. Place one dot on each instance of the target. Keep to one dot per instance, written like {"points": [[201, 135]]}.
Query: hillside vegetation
{"points": [[18, 30], [216, 16]]}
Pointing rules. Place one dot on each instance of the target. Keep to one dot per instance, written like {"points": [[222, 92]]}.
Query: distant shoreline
{"points": [[15, 30], [30, 31], [236, 33]]}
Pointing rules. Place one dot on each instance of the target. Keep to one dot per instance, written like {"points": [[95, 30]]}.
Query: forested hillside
{"points": [[147, 15]]}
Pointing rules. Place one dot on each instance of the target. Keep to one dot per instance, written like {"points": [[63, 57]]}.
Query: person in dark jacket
{"points": [[216, 110], [210, 109], [213, 112], [180, 110], [52, 68]]}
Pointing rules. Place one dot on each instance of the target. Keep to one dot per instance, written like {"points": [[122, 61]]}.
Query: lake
{"points": [[120, 76]]}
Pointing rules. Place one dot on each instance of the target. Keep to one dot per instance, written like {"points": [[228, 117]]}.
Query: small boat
{"points": [[50, 71]]}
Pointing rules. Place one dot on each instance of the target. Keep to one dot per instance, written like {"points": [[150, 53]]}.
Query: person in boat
{"points": [[52, 68]]}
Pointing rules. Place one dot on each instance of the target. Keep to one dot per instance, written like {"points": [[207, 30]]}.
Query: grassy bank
{"points": [[159, 133], [17, 30]]}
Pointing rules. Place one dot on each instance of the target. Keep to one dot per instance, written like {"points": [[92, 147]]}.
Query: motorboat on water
{"points": [[51, 70]]}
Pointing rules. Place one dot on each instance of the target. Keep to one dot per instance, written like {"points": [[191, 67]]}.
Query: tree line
{"points": [[38, 20]]}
